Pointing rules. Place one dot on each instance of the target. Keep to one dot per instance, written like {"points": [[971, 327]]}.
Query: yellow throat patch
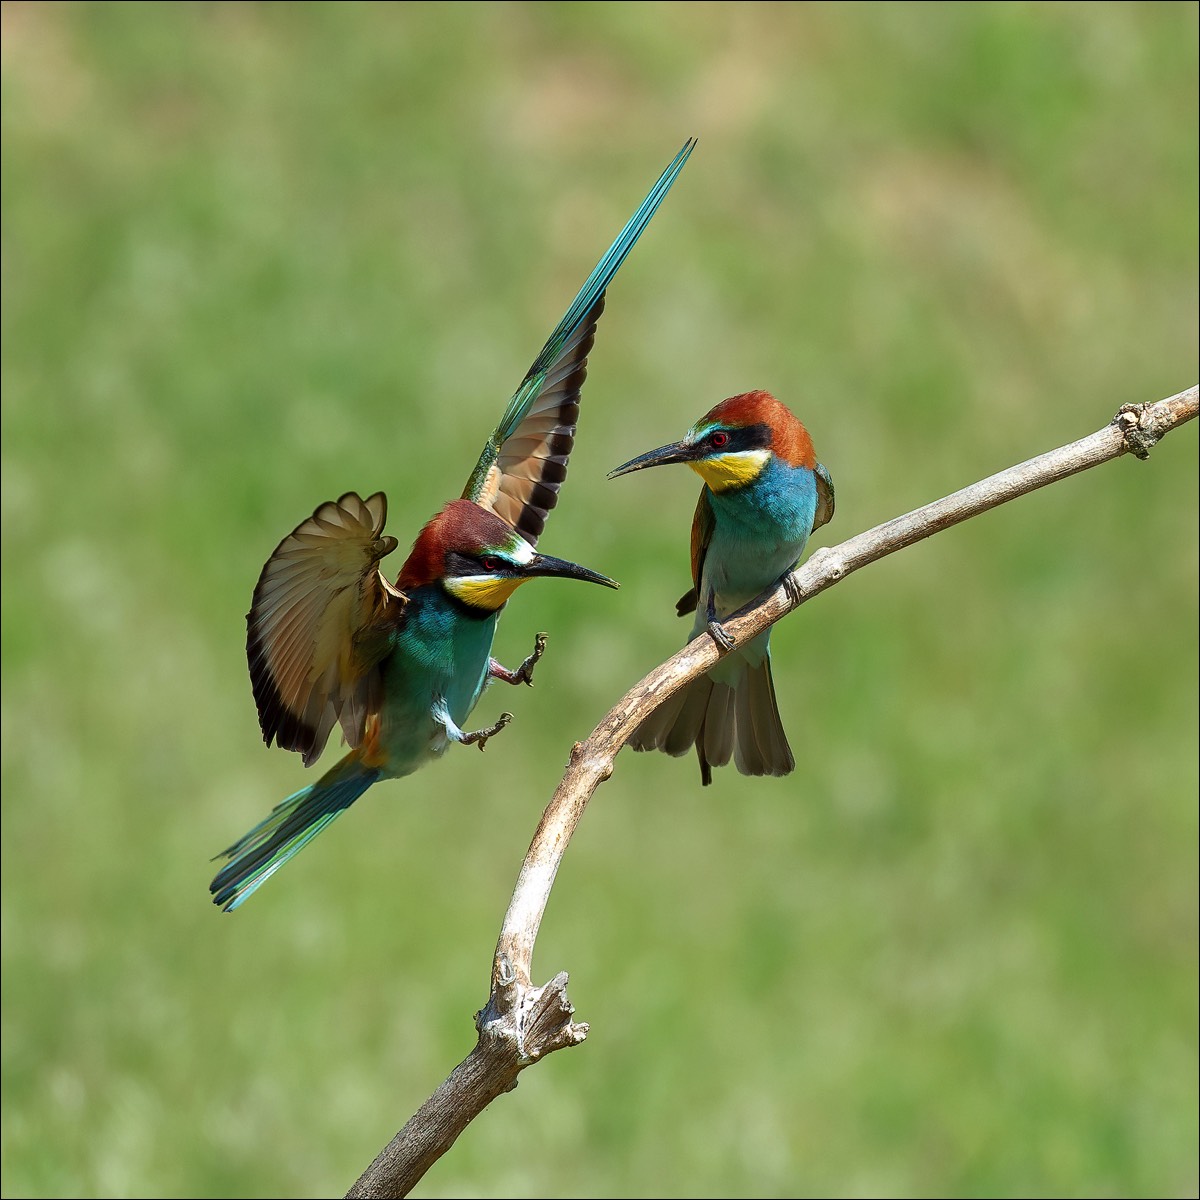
{"points": [[726, 471], [483, 591]]}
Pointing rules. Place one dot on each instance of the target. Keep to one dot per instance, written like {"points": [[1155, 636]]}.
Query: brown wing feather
{"points": [[318, 626], [702, 530], [521, 484]]}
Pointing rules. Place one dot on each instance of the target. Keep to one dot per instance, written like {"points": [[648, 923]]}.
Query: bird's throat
{"points": [[486, 592], [724, 471]]}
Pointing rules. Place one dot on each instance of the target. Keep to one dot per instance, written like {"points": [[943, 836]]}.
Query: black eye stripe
{"points": [[458, 563], [732, 441]]}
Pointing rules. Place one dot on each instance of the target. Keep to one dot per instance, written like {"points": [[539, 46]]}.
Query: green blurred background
{"points": [[257, 255]]}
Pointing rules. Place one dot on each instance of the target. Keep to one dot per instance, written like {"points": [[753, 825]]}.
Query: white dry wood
{"points": [[522, 1022]]}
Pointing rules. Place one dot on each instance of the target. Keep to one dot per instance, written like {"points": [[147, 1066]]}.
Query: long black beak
{"points": [[676, 452], [543, 564]]}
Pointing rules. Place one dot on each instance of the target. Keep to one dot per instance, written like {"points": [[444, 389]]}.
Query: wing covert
{"points": [[703, 523], [824, 511]]}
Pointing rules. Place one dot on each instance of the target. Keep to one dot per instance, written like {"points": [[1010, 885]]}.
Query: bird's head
{"points": [[481, 560], [732, 443]]}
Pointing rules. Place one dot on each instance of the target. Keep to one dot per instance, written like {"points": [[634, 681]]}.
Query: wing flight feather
{"points": [[319, 624], [524, 462]]}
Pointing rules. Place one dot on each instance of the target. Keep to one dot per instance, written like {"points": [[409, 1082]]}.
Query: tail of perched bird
{"points": [[732, 716], [292, 824]]}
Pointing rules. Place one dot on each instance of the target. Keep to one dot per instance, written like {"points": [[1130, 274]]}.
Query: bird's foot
{"points": [[724, 641], [480, 736], [524, 673], [794, 592]]}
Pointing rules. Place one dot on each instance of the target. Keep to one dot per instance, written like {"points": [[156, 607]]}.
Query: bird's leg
{"points": [[716, 630], [478, 737], [524, 673]]}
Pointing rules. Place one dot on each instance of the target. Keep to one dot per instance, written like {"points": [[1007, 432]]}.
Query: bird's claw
{"points": [[725, 641], [524, 673], [794, 592], [480, 736]]}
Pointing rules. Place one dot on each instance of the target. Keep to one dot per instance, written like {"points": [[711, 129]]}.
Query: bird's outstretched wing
{"points": [[320, 623], [525, 460]]}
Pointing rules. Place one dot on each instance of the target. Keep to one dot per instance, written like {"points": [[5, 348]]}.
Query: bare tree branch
{"points": [[521, 1023]]}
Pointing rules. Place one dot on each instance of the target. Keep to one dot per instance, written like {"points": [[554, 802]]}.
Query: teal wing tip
{"points": [[594, 287], [608, 265], [685, 152], [597, 283]]}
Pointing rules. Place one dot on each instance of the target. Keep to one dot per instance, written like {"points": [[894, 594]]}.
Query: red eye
{"points": [[719, 439], [490, 564]]}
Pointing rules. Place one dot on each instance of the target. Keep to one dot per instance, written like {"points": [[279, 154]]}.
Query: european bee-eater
{"points": [[764, 493], [401, 666]]}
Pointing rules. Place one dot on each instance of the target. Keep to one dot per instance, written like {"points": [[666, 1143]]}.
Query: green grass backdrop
{"points": [[255, 255]]}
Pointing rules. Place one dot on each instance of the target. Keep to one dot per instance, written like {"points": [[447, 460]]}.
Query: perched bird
{"points": [[400, 667], [764, 493]]}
